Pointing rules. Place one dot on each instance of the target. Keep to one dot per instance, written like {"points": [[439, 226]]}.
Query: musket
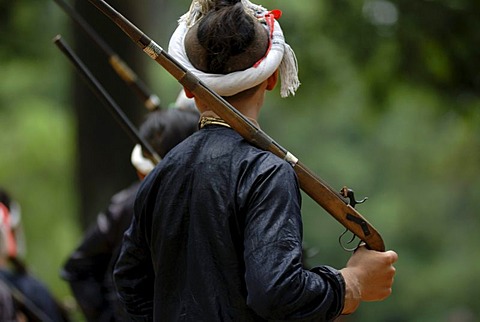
{"points": [[335, 203], [102, 94], [150, 100]]}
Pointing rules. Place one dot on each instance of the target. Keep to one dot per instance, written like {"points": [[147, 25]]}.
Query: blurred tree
{"points": [[104, 149], [429, 43], [436, 39]]}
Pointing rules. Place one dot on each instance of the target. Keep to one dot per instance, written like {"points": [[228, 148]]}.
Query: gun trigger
{"points": [[345, 248]]}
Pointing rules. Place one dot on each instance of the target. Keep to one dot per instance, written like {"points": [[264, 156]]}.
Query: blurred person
{"points": [[7, 306], [217, 228], [89, 268], [32, 299]]}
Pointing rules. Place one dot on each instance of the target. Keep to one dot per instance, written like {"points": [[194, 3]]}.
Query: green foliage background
{"points": [[388, 106]]}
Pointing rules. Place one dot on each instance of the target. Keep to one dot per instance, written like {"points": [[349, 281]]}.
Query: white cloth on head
{"points": [[183, 102], [280, 56], [142, 164], [8, 245]]}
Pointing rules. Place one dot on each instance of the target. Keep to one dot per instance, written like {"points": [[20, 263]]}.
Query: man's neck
{"points": [[210, 117], [249, 106]]}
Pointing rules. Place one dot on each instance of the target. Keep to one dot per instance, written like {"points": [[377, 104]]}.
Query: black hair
{"points": [[164, 129], [5, 198], [225, 3], [222, 36]]}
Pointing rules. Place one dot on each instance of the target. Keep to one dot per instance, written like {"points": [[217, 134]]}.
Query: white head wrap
{"points": [[8, 244], [183, 102], [280, 55], [4, 230], [142, 164]]}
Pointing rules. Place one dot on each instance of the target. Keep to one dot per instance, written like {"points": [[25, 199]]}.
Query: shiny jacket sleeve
{"points": [[278, 287], [88, 269], [133, 272]]}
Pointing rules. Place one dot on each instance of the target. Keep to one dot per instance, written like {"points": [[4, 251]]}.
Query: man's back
{"points": [[221, 219], [201, 208]]}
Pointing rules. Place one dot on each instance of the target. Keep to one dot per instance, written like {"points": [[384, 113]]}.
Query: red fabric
{"points": [[6, 225], [270, 18]]}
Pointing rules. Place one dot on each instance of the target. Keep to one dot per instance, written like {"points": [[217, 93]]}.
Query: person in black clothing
{"points": [[88, 269], [217, 228], [7, 306], [30, 296]]}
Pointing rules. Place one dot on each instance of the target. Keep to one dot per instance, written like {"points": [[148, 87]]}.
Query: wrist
{"points": [[353, 295]]}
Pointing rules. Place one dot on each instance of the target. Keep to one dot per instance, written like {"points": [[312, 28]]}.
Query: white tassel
{"points": [[289, 72], [197, 10]]}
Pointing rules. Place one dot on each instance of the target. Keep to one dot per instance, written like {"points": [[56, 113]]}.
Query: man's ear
{"points": [[272, 81], [188, 93]]}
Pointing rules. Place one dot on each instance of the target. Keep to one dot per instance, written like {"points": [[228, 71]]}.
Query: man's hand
{"points": [[368, 277]]}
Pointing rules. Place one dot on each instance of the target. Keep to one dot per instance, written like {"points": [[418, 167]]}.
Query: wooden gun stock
{"points": [[319, 191]]}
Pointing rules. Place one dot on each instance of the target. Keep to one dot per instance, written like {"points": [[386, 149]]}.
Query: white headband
{"points": [[280, 56], [142, 164], [8, 244]]}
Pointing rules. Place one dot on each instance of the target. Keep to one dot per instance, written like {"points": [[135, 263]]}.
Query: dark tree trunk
{"points": [[103, 151]]}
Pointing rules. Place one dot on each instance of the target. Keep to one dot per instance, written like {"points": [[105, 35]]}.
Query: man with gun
{"points": [[217, 229]]}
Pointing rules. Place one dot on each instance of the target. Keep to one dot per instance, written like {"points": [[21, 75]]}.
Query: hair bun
{"points": [[225, 3]]}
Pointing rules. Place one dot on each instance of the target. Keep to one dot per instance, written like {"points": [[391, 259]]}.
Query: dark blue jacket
{"points": [[217, 236], [89, 268], [33, 297]]}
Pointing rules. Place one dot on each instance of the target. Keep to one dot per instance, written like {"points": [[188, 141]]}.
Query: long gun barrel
{"points": [[101, 93], [149, 100], [332, 201]]}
